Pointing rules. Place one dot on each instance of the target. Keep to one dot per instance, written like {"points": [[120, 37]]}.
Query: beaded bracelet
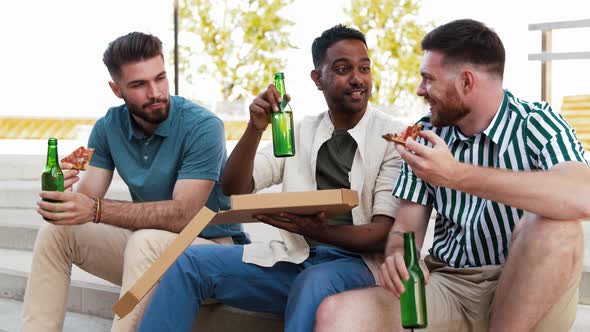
{"points": [[97, 210]]}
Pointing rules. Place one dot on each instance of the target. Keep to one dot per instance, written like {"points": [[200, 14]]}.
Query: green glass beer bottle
{"points": [[413, 300], [283, 138], [52, 178]]}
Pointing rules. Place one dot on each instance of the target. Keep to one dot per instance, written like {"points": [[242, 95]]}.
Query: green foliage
{"points": [[393, 37], [237, 44]]}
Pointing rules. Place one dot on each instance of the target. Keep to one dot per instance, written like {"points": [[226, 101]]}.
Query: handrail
{"points": [[547, 56], [560, 25]]}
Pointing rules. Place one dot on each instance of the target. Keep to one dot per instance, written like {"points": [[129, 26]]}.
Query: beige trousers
{"points": [[115, 254], [461, 300]]}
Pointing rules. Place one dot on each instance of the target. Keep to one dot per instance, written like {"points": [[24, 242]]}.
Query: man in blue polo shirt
{"points": [[170, 153]]}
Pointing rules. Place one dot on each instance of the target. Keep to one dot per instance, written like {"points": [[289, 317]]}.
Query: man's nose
{"points": [[154, 91], [356, 78], [421, 91]]}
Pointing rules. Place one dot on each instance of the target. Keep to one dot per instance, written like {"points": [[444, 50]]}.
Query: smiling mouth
{"points": [[430, 102], [356, 94]]}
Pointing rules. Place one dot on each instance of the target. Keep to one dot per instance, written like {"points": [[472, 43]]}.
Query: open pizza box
{"points": [[244, 208]]}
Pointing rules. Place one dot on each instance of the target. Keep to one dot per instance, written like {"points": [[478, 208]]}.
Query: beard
{"points": [[447, 112], [156, 116]]}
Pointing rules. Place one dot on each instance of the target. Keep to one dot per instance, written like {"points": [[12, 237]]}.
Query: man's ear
{"points": [[115, 89], [315, 77], [468, 80]]}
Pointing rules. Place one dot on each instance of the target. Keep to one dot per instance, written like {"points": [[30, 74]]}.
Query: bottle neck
{"points": [[410, 252], [51, 154], [280, 85]]}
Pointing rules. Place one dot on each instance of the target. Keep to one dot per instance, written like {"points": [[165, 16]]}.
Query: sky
{"points": [[52, 52]]}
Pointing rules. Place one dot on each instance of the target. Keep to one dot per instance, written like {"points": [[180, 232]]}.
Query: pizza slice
{"points": [[79, 158], [411, 131]]}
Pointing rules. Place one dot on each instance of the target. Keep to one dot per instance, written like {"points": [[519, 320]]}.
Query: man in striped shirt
{"points": [[509, 182]]}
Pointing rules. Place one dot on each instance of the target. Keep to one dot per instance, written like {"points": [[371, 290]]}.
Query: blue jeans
{"points": [[292, 290]]}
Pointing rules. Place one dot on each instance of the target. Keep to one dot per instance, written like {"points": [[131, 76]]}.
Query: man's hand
{"points": [[263, 105], [72, 208], [310, 226], [393, 270], [435, 165], [70, 176]]}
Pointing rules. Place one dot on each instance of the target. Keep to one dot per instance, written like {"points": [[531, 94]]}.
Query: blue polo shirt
{"points": [[189, 144]]}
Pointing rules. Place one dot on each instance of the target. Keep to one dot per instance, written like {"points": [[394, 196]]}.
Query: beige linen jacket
{"points": [[374, 171]]}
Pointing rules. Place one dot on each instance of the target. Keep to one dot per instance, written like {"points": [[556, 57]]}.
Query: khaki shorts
{"points": [[461, 299]]}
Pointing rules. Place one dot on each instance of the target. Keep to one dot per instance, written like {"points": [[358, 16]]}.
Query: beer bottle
{"points": [[283, 138], [52, 178], [413, 300]]}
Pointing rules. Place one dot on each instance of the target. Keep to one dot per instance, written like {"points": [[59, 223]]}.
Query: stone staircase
{"points": [[91, 298]]}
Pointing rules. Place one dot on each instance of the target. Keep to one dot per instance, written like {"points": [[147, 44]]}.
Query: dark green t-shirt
{"points": [[333, 169]]}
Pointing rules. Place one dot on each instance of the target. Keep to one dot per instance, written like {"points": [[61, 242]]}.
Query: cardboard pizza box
{"points": [[145, 283], [244, 207], [333, 202]]}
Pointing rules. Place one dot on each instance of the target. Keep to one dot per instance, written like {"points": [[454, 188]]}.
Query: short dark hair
{"points": [[133, 47], [467, 41], [331, 36]]}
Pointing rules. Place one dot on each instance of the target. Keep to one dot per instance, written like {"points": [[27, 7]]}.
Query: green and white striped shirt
{"points": [[471, 231]]}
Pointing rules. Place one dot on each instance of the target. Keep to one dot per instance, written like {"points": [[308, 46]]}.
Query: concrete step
{"points": [[94, 298], [29, 166], [22, 194], [19, 227], [21, 167], [11, 311], [582, 323], [88, 294]]}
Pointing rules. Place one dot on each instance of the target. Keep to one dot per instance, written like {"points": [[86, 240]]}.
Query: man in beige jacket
{"points": [[340, 148]]}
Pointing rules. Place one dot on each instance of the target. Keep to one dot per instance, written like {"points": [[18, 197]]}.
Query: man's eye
{"points": [[341, 70], [366, 69]]}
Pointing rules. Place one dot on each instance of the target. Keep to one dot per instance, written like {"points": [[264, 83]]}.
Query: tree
{"points": [[393, 38], [237, 43]]}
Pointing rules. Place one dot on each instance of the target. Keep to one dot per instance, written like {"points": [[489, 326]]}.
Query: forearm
{"points": [[358, 238], [168, 215], [411, 217], [237, 176], [558, 194], [395, 240]]}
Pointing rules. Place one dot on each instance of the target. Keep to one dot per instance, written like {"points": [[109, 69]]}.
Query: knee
{"points": [[51, 235], [315, 281], [202, 263], [550, 238], [328, 312], [146, 245], [209, 258]]}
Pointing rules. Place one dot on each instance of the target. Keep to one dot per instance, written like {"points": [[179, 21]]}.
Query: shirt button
{"points": [[145, 157]]}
